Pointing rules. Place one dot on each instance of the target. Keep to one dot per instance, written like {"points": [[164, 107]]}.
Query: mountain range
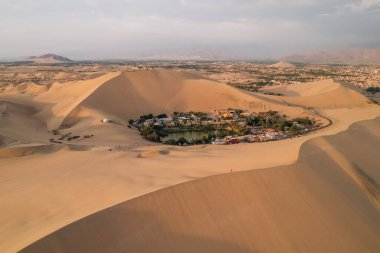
{"points": [[365, 56]]}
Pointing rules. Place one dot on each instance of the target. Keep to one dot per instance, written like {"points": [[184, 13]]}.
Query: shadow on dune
{"points": [[355, 152], [28, 116], [136, 231]]}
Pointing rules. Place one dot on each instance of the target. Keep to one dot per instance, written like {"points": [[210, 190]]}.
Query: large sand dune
{"points": [[326, 202], [131, 94], [61, 99], [324, 94]]}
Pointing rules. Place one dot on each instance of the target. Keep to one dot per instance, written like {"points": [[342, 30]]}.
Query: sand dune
{"points": [[61, 99], [81, 183], [314, 205], [19, 124], [44, 187], [21, 151], [321, 95], [127, 95], [132, 94], [30, 88], [64, 75]]}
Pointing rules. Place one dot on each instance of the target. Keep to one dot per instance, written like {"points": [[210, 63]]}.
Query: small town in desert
{"points": [[189, 126], [230, 126]]}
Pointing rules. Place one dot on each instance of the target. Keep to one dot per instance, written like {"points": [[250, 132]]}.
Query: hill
{"points": [[283, 65], [49, 59], [326, 202]]}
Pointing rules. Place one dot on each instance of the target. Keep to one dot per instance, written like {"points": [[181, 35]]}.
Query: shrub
{"points": [[145, 117], [153, 137], [182, 141], [294, 130], [304, 121], [161, 116]]}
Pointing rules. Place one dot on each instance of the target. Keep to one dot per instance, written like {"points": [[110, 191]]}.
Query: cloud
{"points": [[118, 28], [364, 5]]}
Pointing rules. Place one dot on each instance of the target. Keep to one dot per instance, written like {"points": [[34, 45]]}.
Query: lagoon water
{"points": [[189, 135]]}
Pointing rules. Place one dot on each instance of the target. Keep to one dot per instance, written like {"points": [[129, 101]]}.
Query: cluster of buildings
{"points": [[257, 135], [168, 120], [218, 119]]}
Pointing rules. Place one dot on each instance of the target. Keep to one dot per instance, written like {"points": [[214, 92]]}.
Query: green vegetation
{"points": [[273, 120], [153, 133]]}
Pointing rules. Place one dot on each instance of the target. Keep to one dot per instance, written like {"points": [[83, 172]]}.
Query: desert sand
{"points": [[313, 205], [46, 186]]}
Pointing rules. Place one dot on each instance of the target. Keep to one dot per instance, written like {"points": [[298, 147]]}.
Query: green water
{"points": [[189, 135]]}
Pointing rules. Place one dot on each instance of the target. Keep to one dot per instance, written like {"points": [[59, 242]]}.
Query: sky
{"points": [[117, 29]]}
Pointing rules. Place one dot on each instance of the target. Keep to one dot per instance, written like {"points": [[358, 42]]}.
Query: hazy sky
{"points": [[123, 28]]}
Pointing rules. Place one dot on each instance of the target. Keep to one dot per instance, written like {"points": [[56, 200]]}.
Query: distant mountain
{"points": [[353, 56], [194, 54], [49, 58], [283, 65]]}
